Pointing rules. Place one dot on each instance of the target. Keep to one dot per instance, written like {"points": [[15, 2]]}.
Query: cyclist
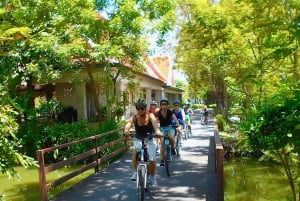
{"points": [[144, 124], [180, 117], [205, 113], [188, 111], [154, 109], [165, 117]]}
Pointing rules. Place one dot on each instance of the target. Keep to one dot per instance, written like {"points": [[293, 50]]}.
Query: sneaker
{"points": [[133, 177], [174, 151], [162, 163], [152, 180]]}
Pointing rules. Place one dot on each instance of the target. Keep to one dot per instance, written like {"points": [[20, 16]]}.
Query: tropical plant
{"points": [[275, 129], [9, 153]]}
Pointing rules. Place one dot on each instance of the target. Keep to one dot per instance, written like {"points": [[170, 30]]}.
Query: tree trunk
{"points": [[220, 95], [95, 93]]}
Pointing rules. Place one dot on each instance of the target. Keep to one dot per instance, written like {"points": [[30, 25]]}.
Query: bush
{"points": [[197, 106], [39, 136], [220, 122]]}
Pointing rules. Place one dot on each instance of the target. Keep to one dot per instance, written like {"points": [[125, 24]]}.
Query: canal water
{"points": [[244, 180], [27, 187], [251, 180]]}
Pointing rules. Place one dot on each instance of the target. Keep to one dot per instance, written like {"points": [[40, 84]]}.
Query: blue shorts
{"points": [[167, 129]]}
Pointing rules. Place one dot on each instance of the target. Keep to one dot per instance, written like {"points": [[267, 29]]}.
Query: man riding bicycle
{"points": [[180, 117], [188, 111], [145, 123], [165, 117]]}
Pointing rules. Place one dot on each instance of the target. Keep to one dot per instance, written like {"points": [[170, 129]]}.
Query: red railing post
{"points": [[219, 166], [42, 176]]}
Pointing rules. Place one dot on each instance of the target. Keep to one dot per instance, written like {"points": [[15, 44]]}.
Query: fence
{"points": [[219, 167], [93, 152]]}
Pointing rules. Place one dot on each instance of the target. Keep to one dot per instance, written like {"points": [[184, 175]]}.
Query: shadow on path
{"points": [[193, 176]]}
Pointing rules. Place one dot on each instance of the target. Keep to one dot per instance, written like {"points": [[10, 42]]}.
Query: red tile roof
{"points": [[161, 67]]}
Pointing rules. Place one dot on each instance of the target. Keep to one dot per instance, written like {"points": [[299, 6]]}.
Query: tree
{"points": [[247, 53], [275, 128], [237, 47], [41, 40], [117, 43]]}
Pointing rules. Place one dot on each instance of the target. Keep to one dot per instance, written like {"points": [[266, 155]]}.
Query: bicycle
{"points": [[143, 173], [168, 156], [187, 126], [187, 131]]}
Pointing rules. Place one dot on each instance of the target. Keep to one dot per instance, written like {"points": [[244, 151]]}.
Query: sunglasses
{"points": [[164, 104], [141, 108], [176, 105]]}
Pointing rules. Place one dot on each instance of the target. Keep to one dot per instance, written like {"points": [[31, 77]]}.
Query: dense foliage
{"points": [[40, 41], [245, 55], [238, 52], [275, 129]]}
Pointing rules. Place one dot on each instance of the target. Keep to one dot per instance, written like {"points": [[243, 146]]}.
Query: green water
{"points": [[244, 180], [251, 180], [27, 188]]}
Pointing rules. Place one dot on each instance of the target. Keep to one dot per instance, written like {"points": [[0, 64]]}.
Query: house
{"points": [[74, 90], [154, 84]]}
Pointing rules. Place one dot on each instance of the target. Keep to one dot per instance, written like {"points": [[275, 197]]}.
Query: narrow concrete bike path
{"points": [[193, 177]]}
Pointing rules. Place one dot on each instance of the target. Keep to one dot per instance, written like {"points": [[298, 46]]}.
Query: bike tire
{"points": [[141, 184], [178, 147], [168, 160], [189, 132]]}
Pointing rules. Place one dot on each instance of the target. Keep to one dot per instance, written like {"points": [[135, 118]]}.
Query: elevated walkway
{"points": [[193, 176]]}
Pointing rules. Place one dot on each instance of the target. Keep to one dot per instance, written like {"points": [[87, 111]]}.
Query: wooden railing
{"points": [[219, 168], [94, 152]]}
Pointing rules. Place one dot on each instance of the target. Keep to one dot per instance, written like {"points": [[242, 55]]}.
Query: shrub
{"points": [[220, 122]]}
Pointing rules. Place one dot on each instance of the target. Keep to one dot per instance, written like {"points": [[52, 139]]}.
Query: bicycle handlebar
{"points": [[149, 136]]}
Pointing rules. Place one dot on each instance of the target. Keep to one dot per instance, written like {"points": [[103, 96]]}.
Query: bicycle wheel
{"points": [[141, 182], [178, 146], [189, 132], [168, 159], [186, 132]]}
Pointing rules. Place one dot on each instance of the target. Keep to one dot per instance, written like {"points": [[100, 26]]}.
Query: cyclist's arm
{"points": [[154, 124], [175, 119], [127, 126], [183, 115]]}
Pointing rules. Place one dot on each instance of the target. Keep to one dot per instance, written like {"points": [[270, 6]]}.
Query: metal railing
{"points": [[94, 152], [219, 167]]}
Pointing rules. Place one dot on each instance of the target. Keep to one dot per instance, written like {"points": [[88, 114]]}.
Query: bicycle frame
{"points": [[168, 157], [143, 164], [142, 159]]}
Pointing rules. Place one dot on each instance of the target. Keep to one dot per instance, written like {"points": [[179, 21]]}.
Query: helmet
{"points": [[164, 100], [153, 103], [176, 102], [140, 103]]}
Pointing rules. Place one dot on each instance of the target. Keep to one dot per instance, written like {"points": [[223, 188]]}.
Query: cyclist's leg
{"points": [[157, 144], [180, 130], [206, 118], [189, 123], [133, 160], [179, 135], [171, 136], [152, 154], [162, 149], [137, 145]]}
